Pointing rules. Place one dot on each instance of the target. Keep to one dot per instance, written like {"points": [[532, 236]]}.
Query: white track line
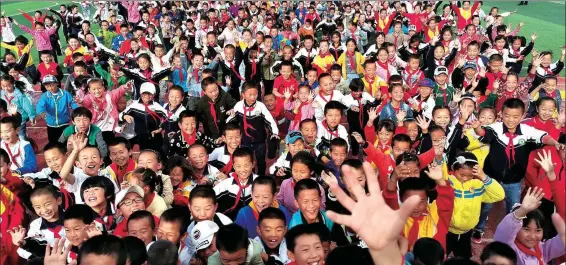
{"points": [[558, 2], [33, 10]]}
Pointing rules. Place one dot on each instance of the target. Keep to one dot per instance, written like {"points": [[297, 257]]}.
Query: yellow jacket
{"points": [[479, 149], [378, 83], [14, 49], [323, 64], [7, 198], [468, 199], [360, 59]]}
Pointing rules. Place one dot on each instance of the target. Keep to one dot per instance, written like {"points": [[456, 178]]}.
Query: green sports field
{"points": [[544, 18]]}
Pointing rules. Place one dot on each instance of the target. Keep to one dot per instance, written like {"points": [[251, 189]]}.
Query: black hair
{"points": [[514, 103], [497, 248], [119, 140], [208, 81], [187, 114], [307, 159], [543, 99], [323, 75], [495, 58], [459, 261], [22, 39], [400, 138], [415, 184], [79, 63], [243, 152], [300, 230], [249, 85], [231, 238], [56, 145], [265, 180], [271, 213], [468, 164], [395, 79], [338, 142], [99, 182], [80, 212], [81, 112], [8, 78], [287, 63], [104, 245], [12, 120], [203, 191], [306, 184], [323, 231], [135, 250], [178, 88], [4, 156], [387, 124], [181, 162], [393, 86], [148, 177], [333, 105], [162, 252], [537, 216], [306, 121], [157, 154], [357, 85], [433, 128], [427, 250], [47, 189], [180, 216], [440, 107], [232, 126], [142, 214]]}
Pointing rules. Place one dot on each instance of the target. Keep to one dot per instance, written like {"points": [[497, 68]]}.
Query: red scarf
{"points": [[190, 139], [9, 99], [181, 75], [254, 67], [333, 133], [510, 149], [395, 40], [228, 167], [354, 35], [151, 112], [234, 70], [414, 232], [443, 93], [309, 57], [385, 67], [352, 57], [246, 125], [147, 74], [537, 253], [120, 173], [323, 55], [13, 156], [56, 230], [240, 190], [100, 104], [322, 96], [548, 71], [195, 75], [213, 114]]}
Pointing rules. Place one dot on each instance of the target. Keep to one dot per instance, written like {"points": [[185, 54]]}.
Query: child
{"points": [[305, 236], [257, 123], [358, 102], [151, 159], [301, 107], [486, 116], [222, 157], [234, 192], [306, 55], [40, 34], [141, 225], [351, 61], [522, 230], [82, 118], [148, 180], [122, 166], [196, 72], [54, 106], [438, 57], [127, 202], [385, 130], [284, 83], [413, 75], [214, 108], [308, 129], [498, 252], [114, 250], [434, 217], [326, 93], [546, 67], [232, 72], [463, 105], [323, 60], [203, 206], [13, 95], [424, 102], [179, 74], [374, 84], [330, 129], [312, 79], [203, 172], [549, 89], [308, 199], [104, 105], [78, 224], [172, 227], [147, 116], [233, 243], [271, 228], [442, 90], [303, 166], [518, 50], [43, 230], [295, 144], [74, 46], [188, 135], [145, 74], [200, 241], [396, 105], [47, 67], [22, 157], [263, 197], [182, 179], [468, 176], [382, 68], [98, 193]]}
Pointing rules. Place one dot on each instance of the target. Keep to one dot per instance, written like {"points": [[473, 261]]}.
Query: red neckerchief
{"points": [[385, 67], [213, 114], [195, 75], [547, 70], [444, 96], [361, 108], [440, 62], [336, 52], [331, 132], [114, 81], [120, 173], [308, 56], [100, 104], [240, 190], [516, 52], [228, 167], [395, 40], [181, 76], [56, 230], [414, 231], [537, 253], [9, 99], [499, 51], [190, 139], [354, 34], [171, 112], [299, 113], [13, 156], [510, 149], [149, 199], [409, 79], [466, 83], [161, 62], [147, 74], [151, 112], [323, 55], [322, 96], [254, 67], [352, 57], [107, 223], [246, 125], [370, 83], [234, 70]]}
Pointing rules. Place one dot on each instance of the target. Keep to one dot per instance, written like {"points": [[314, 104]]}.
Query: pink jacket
{"points": [[99, 111], [307, 112], [41, 37], [133, 11]]}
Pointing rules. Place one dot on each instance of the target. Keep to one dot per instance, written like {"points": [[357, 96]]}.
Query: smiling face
{"points": [[308, 202], [119, 154], [188, 125], [149, 160], [198, 157], [176, 176], [175, 97], [169, 231], [272, 231], [512, 117], [211, 91], [338, 154], [333, 117], [487, 117], [308, 250], [132, 202], [308, 129], [75, 231], [9, 134], [54, 159], [384, 136], [141, 228], [232, 138], [243, 167], [202, 209], [327, 85], [397, 93], [296, 147], [82, 123], [530, 235], [441, 117], [46, 206], [464, 173], [546, 109], [94, 197], [90, 161]]}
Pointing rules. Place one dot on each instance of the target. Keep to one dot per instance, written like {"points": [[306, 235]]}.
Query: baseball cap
{"points": [[49, 79], [440, 70], [147, 87], [203, 233], [470, 64], [412, 27], [426, 83], [122, 194], [293, 136]]}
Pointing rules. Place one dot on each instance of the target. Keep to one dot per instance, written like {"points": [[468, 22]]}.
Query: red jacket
{"points": [[12, 214], [463, 22], [126, 47], [387, 25]]}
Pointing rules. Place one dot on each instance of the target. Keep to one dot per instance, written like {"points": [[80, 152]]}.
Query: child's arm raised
{"points": [[78, 143], [507, 230], [545, 161]]}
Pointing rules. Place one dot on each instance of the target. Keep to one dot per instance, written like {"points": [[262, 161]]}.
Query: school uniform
{"points": [[390, 112], [321, 99], [142, 76], [352, 64], [118, 175], [324, 135], [248, 217], [517, 66], [57, 108], [306, 57], [22, 156], [24, 104], [41, 232], [70, 192], [299, 219], [221, 159], [212, 114], [425, 106], [322, 63], [336, 51], [233, 195], [286, 195], [180, 142], [283, 161], [105, 111], [384, 71], [171, 124], [278, 254], [236, 71], [542, 72], [147, 118], [179, 75]]}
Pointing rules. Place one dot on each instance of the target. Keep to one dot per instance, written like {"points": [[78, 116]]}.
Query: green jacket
{"points": [[94, 138], [439, 95]]}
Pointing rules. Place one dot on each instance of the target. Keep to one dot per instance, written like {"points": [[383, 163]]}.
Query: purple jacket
{"points": [[507, 231], [286, 196]]}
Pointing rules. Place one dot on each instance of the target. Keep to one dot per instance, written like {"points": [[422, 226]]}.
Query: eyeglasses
{"points": [[130, 202]]}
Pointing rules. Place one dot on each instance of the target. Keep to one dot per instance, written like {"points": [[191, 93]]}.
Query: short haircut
{"points": [[4, 156], [232, 126], [323, 75], [357, 85], [498, 249], [334, 67], [162, 252], [135, 250], [400, 138], [338, 142], [433, 128], [514, 103], [265, 180], [142, 214], [187, 114], [12, 120], [48, 189], [271, 213], [207, 81], [155, 153], [79, 63], [333, 105], [81, 112], [243, 152], [305, 121], [428, 251], [249, 85], [79, 212], [386, 124], [353, 163], [395, 79], [99, 182], [368, 62], [203, 191], [306, 184], [231, 238], [495, 58], [177, 215], [393, 86], [300, 230], [414, 184], [119, 140], [287, 63], [104, 245], [178, 88]]}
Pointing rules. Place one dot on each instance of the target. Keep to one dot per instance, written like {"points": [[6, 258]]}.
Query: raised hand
{"points": [[478, 173], [92, 231], [434, 172], [521, 24], [358, 138], [401, 115], [128, 118], [532, 199], [12, 109], [372, 114], [457, 96], [329, 178], [311, 96], [496, 84], [537, 61], [287, 94], [545, 161], [560, 226], [534, 37], [423, 123], [18, 234], [369, 209], [56, 255]]}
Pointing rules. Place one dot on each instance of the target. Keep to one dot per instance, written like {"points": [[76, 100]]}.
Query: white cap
{"points": [[122, 194], [147, 87], [203, 233]]}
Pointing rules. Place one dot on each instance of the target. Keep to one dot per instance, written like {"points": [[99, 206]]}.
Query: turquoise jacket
{"points": [[297, 219], [22, 102]]}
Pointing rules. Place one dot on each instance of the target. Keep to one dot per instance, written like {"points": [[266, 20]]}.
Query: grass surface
{"points": [[544, 18]]}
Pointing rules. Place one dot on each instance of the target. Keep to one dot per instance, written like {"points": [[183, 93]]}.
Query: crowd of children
{"points": [[280, 132]]}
